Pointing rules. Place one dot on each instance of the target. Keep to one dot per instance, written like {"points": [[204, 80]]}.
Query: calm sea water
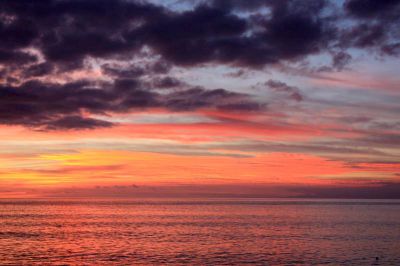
{"points": [[199, 232]]}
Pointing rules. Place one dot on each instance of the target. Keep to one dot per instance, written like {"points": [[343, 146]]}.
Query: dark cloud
{"points": [[16, 57], [240, 5], [51, 106], [378, 190], [76, 122], [364, 35], [237, 74], [17, 33], [293, 92], [38, 70], [340, 60], [191, 37], [71, 30], [74, 46], [372, 8], [295, 34], [391, 49], [66, 31], [123, 72], [377, 27], [167, 82], [136, 70], [37, 104], [199, 97]]}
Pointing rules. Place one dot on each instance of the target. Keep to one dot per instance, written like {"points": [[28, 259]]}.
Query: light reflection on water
{"points": [[215, 232]]}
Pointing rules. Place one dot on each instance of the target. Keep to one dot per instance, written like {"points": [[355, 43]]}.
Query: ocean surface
{"points": [[199, 232]]}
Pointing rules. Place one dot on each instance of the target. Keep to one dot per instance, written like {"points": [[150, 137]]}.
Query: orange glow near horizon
{"points": [[98, 167], [163, 154]]}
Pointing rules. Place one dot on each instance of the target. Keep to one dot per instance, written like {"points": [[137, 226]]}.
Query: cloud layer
{"points": [[42, 42]]}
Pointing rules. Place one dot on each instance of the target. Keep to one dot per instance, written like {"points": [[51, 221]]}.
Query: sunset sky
{"points": [[270, 98]]}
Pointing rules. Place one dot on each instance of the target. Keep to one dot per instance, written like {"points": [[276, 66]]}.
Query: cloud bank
{"points": [[41, 42]]}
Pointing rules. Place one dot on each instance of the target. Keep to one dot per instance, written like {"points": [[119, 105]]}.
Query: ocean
{"points": [[199, 232]]}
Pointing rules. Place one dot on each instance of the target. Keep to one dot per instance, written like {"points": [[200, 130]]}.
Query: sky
{"points": [[263, 98]]}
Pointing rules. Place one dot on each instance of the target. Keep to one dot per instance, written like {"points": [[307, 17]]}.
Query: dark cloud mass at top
{"points": [[42, 39], [372, 8]]}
